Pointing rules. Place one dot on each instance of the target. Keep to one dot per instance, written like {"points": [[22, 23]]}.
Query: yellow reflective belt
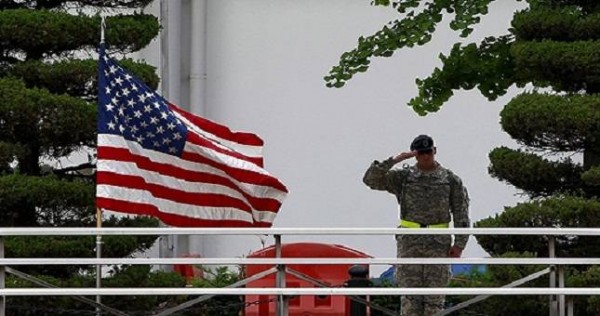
{"points": [[409, 224]]}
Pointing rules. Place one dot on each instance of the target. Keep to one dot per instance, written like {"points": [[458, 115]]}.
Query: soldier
{"points": [[429, 196]]}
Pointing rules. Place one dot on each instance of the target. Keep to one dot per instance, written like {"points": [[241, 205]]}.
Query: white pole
{"points": [[197, 56], [2, 279], [165, 243], [98, 210], [98, 255]]}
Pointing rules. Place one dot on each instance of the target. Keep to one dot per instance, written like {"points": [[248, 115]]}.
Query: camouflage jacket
{"points": [[425, 197]]}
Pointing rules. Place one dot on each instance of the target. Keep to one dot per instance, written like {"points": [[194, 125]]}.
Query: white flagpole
{"points": [[99, 210], [98, 255]]}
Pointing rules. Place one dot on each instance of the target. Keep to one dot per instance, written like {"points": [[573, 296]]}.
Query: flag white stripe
{"points": [[238, 163], [171, 207], [246, 150], [153, 177]]}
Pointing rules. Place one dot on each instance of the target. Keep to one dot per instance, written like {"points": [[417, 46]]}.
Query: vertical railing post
{"points": [[561, 297], [281, 302], [553, 304], [2, 279], [358, 278]]}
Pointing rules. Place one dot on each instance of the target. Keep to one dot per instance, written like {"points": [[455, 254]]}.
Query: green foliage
{"points": [[58, 202], [126, 276], [497, 276], [564, 24], [415, 28], [553, 122], [591, 176], [43, 123], [225, 305], [140, 276], [390, 302], [583, 5], [585, 305], [41, 33], [53, 4], [489, 67], [564, 66], [558, 211], [75, 77], [536, 176]]}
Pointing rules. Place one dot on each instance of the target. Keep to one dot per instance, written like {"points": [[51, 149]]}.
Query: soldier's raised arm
{"points": [[379, 176]]}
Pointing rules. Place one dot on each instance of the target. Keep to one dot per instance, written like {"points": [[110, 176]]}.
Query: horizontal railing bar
{"points": [[79, 231], [298, 291], [296, 261]]}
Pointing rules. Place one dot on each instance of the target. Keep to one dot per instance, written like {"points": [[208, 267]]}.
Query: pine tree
{"points": [[48, 91]]}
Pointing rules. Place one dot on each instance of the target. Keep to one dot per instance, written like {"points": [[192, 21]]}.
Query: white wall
{"points": [[265, 64]]}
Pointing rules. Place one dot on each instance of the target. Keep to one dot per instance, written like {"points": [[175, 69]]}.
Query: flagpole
{"points": [[98, 256], [99, 210]]}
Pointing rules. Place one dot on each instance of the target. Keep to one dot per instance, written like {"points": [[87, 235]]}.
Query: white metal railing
{"points": [[279, 262]]}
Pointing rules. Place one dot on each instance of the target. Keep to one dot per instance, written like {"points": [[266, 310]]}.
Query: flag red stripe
{"points": [[201, 141], [162, 192], [246, 176], [168, 218], [220, 130]]}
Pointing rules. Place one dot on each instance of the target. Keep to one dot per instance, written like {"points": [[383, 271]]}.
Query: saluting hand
{"points": [[405, 155]]}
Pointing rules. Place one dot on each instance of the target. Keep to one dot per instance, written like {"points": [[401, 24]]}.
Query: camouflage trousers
{"points": [[424, 246]]}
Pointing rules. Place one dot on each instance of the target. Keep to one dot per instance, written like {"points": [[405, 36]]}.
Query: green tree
{"points": [[552, 46], [48, 111]]}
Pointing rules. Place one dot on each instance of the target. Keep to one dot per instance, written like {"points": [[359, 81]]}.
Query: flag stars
{"points": [[136, 113]]}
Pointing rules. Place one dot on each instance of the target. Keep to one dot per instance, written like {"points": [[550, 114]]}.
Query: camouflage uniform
{"points": [[425, 197]]}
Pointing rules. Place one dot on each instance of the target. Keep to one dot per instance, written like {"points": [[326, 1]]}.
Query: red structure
{"points": [[333, 275], [188, 271]]}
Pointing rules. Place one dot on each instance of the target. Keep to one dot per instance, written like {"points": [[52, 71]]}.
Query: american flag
{"points": [[157, 159]]}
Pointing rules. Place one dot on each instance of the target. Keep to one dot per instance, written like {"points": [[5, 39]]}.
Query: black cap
{"points": [[422, 143]]}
